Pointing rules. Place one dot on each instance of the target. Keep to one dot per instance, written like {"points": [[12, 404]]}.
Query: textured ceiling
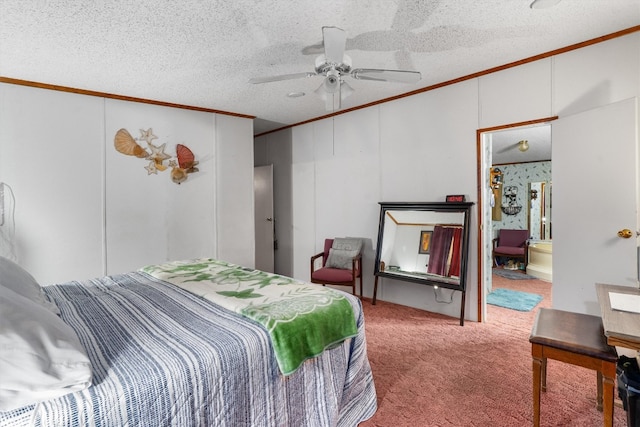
{"points": [[505, 143], [202, 53]]}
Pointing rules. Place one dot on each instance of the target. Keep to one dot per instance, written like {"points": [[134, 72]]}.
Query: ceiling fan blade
{"points": [[281, 77], [335, 40], [386, 75]]}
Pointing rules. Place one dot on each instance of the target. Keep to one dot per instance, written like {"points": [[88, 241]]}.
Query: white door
{"points": [[595, 191], [265, 238]]}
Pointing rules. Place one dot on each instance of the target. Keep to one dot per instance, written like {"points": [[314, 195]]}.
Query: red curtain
{"points": [[444, 257], [440, 247], [454, 268]]}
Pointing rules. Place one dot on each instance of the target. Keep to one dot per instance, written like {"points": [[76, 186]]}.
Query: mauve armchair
{"points": [[344, 272], [511, 244]]}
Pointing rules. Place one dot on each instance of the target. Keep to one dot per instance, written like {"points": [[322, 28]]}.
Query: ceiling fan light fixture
{"points": [[331, 99], [523, 145], [334, 65], [345, 90], [543, 4], [332, 81]]}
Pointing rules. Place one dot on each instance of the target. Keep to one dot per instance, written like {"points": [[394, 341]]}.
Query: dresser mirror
{"points": [[424, 243], [540, 210]]}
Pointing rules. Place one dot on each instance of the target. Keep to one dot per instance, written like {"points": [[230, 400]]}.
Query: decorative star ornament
{"points": [[147, 135], [151, 168], [157, 153], [184, 164]]}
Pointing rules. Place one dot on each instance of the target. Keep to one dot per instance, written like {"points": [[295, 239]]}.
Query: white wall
{"points": [[84, 210], [52, 155], [423, 147], [234, 190], [149, 218]]}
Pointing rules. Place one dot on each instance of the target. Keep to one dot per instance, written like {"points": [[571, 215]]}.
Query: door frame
{"points": [[481, 181]]}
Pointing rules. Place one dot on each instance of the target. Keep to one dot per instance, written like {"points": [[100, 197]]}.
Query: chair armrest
{"points": [[313, 260], [495, 243], [356, 264]]}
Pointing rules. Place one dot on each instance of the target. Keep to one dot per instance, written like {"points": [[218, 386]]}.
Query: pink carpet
{"points": [[430, 371]]}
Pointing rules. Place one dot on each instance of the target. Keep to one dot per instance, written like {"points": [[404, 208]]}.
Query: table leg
{"points": [[536, 351]]}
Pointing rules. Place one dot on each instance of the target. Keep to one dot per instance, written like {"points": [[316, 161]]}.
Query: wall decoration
{"points": [[184, 163], [520, 175], [425, 242], [510, 204], [125, 144]]}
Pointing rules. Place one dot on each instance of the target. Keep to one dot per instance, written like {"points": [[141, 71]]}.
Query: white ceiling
{"points": [[202, 53], [505, 144]]}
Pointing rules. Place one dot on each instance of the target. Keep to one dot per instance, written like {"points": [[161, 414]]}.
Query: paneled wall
{"points": [[84, 210], [423, 147], [52, 155]]}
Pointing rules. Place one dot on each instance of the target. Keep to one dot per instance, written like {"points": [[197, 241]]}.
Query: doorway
{"points": [[520, 153], [264, 219]]}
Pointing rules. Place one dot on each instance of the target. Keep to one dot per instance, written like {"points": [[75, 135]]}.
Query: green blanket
{"points": [[302, 319]]}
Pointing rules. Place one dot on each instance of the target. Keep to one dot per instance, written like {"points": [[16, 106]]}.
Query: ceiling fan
{"points": [[334, 65]]}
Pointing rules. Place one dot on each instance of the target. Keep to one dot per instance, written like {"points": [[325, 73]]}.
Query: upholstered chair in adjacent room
{"points": [[511, 244], [341, 263]]}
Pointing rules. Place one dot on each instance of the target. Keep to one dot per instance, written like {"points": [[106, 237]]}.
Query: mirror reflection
{"points": [[422, 244], [540, 210], [425, 243]]}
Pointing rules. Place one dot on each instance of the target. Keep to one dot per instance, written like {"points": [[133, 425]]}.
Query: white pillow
{"points": [[16, 278], [41, 357], [342, 252], [340, 258], [347, 243]]}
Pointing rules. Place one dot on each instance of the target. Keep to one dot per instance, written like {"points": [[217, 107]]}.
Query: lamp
{"points": [[543, 4], [523, 145]]}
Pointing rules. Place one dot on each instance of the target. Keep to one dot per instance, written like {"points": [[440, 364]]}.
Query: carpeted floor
{"points": [[429, 371]]}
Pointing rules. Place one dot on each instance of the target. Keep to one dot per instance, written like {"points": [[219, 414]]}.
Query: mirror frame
{"points": [[446, 207]]}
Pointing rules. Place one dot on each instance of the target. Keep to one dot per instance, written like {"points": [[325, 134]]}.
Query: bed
{"points": [[188, 343]]}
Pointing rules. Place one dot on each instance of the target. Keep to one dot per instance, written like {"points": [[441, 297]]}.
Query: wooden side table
{"points": [[577, 339]]}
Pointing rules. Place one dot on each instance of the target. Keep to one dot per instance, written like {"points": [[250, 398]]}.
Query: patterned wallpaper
{"points": [[520, 175]]}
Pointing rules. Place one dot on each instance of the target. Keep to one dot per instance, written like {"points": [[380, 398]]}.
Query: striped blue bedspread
{"points": [[302, 319], [164, 357]]}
